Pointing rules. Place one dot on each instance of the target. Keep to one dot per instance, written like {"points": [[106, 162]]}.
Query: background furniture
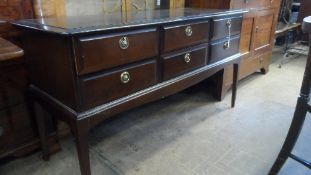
{"points": [[49, 8], [19, 135], [302, 108], [140, 61], [257, 38]]}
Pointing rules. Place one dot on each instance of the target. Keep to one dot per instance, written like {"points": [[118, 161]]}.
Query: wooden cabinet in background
{"points": [[257, 35]]}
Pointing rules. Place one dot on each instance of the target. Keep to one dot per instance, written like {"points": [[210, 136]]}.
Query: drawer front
{"points": [[221, 50], [178, 37], [106, 51], [110, 86], [185, 61], [222, 27]]}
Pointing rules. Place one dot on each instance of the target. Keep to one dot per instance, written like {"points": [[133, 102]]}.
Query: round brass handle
{"points": [[188, 31], [226, 45], [187, 58], [125, 77], [124, 43], [229, 23]]}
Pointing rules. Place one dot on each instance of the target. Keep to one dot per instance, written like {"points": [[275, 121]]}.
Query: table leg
{"points": [[235, 83], [40, 115], [81, 134]]}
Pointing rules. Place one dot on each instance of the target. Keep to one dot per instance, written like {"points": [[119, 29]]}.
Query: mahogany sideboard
{"points": [[85, 69]]}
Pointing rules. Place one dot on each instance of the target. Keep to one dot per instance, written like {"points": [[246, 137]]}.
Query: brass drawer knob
{"points": [[188, 31], [125, 77], [229, 23], [187, 58], [124, 43], [226, 45]]}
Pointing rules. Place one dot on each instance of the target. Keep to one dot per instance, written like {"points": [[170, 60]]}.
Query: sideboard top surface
{"points": [[70, 25]]}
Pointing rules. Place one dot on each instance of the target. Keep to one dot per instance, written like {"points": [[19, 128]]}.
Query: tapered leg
{"points": [[40, 113], [234, 84], [221, 88], [81, 134]]}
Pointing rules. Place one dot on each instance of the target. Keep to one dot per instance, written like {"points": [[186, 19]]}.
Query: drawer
{"points": [[184, 61], [104, 88], [181, 36], [107, 51], [220, 27], [221, 50]]}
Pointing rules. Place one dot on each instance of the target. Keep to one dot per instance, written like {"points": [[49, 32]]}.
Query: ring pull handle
{"points": [[229, 23], [125, 77], [188, 31], [226, 45], [124, 43], [187, 58]]}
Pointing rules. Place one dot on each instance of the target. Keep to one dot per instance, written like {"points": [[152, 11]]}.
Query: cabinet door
{"points": [[246, 35], [263, 31]]}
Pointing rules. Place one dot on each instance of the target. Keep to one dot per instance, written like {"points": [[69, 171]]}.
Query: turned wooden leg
{"points": [[292, 135], [40, 115], [234, 84], [81, 134]]}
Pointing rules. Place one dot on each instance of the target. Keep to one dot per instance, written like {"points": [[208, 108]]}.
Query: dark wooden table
{"points": [[85, 69]]}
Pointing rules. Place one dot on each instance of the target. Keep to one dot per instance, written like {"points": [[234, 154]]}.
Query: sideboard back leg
{"points": [[81, 134], [40, 115], [235, 83]]}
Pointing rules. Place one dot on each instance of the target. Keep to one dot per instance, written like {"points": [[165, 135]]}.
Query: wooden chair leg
{"points": [[234, 84], [40, 115], [292, 136], [81, 134]]}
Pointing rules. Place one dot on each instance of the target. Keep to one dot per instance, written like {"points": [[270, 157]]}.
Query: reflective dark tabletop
{"points": [[84, 24]]}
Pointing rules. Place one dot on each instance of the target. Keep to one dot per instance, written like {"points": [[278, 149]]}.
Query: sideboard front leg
{"points": [[236, 67], [81, 134]]}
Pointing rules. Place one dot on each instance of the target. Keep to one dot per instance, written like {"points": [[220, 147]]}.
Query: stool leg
{"points": [[292, 136], [40, 115]]}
